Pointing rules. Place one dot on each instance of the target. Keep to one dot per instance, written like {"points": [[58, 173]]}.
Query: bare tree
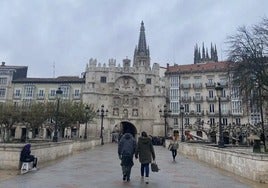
{"points": [[248, 50]]}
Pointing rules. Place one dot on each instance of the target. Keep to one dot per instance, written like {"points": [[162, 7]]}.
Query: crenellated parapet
{"points": [[95, 66]]}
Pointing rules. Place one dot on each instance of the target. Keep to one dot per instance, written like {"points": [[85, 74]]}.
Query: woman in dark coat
{"points": [[145, 153], [25, 155]]}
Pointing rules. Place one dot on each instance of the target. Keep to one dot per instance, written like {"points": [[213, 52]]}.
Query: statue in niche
{"points": [[135, 102], [125, 113], [126, 81], [115, 112], [126, 100], [135, 112]]}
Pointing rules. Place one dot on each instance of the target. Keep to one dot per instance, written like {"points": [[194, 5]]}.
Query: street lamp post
{"points": [[58, 96], [87, 111], [102, 113], [219, 90], [165, 113], [182, 132]]}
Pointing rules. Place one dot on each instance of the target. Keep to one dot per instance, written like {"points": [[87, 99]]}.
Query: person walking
{"points": [[145, 153], [173, 146], [25, 156], [126, 150]]}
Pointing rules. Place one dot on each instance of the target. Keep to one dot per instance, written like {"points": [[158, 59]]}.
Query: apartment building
{"points": [[193, 87], [29, 90], [7, 74]]}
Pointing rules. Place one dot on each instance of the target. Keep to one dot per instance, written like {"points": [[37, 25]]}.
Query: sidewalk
{"points": [[100, 168]]}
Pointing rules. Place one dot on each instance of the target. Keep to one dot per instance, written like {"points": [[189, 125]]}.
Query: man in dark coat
{"points": [[25, 156], [126, 150]]}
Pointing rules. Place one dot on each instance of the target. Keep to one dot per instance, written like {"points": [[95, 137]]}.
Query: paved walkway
{"points": [[100, 168]]}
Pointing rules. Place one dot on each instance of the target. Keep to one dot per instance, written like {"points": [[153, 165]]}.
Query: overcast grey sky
{"points": [[67, 33]]}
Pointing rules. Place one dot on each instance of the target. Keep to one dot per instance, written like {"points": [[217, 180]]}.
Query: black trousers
{"points": [[31, 158]]}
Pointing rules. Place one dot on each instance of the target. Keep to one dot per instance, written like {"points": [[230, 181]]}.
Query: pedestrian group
{"points": [[142, 150]]}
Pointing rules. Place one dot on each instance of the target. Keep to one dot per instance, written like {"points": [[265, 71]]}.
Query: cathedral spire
{"points": [[142, 53], [142, 40]]}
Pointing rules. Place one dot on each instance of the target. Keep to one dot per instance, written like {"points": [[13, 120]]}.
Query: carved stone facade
{"points": [[133, 95]]}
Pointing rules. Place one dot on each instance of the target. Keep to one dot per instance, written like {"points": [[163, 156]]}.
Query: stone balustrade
{"points": [[10, 153], [239, 161]]}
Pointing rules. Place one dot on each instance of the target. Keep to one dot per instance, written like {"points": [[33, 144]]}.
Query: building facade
{"points": [[7, 75], [30, 90], [193, 87], [132, 93]]}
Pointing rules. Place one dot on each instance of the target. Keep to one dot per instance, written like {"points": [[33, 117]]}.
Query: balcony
{"points": [[211, 114], [185, 86], [16, 97], [76, 96], [40, 97], [197, 86], [198, 99], [186, 99], [210, 85], [51, 97], [211, 99], [225, 99]]}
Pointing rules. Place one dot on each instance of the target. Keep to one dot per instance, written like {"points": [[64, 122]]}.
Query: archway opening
{"points": [[128, 127]]}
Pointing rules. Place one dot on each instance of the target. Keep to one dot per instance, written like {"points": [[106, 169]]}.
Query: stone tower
{"points": [[131, 94]]}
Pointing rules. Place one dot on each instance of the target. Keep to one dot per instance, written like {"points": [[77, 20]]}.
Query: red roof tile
{"points": [[200, 67]]}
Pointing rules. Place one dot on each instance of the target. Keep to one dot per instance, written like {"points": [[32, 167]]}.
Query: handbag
{"points": [[154, 167]]}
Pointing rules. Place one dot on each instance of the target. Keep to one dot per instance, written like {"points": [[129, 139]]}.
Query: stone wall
{"points": [[239, 161], [10, 153]]}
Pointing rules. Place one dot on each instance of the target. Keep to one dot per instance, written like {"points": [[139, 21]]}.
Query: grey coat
{"points": [[127, 145], [145, 150]]}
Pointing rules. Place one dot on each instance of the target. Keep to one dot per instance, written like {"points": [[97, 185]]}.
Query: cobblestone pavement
{"points": [[100, 168]]}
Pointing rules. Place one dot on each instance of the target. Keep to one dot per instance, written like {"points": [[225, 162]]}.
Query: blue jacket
{"points": [[127, 145]]}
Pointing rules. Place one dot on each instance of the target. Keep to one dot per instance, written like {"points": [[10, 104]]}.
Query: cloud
{"points": [[68, 33]]}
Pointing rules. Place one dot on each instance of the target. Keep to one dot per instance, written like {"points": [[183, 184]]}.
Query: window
{"points": [[103, 79], [198, 108], [3, 81], [186, 108], [53, 93], [198, 96], [17, 93], [237, 121], [236, 107], [76, 92], [186, 121], [211, 108], [174, 94], [2, 92], [41, 93], [174, 107], [210, 94], [224, 121], [29, 91], [65, 91], [148, 81], [174, 81], [210, 81], [235, 93], [212, 121], [175, 121]]}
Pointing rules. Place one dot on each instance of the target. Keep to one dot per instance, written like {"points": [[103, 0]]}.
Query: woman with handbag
{"points": [[173, 146], [145, 153]]}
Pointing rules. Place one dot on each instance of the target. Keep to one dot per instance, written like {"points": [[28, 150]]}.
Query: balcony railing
{"points": [[211, 99], [197, 85], [185, 86], [198, 99], [186, 99], [210, 85]]}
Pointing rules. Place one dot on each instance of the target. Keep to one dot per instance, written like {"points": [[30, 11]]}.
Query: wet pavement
{"points": [[100, 168]]}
